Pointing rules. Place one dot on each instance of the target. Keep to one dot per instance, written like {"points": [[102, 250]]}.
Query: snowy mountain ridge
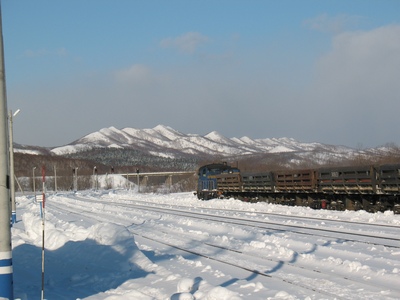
{"points": [[167, 142]]}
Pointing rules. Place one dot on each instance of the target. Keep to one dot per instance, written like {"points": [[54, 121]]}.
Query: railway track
{"points": [[344, 235], [325, 230], [285, 216], [274, 269]]}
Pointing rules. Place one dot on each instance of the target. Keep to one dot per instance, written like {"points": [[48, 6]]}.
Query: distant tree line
{"points": [[389, 154], [124, 161], [127, 158], [28, 166]]}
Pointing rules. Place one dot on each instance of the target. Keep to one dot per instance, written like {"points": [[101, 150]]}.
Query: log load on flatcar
{"points": [[371, 188]]}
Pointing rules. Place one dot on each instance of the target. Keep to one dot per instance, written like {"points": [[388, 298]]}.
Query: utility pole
{"points": [[33, 182], [75, 178], [138, 180], [55, 179], [6, 270], [95, 178]]}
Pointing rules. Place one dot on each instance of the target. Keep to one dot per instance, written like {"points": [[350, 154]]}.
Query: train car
{"points": [[294, 181], [247, 187], [389, 179], [371, 188], [352, 188], [295, 187], [207, 187], [229, 183], [258, 183], [348, 180], [389, 186]]}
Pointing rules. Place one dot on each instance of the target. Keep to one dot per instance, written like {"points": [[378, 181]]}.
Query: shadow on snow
{"points": [[76, 270]]}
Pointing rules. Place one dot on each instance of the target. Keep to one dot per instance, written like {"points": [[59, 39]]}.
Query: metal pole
{"points": [[12, 181], [6, 271], [138, 181], [55, 179], [112, 177], [94, 178], [20, 187], [76, 180], [33, 180]]}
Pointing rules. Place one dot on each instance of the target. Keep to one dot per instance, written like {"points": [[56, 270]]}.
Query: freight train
{"points": [[369, 188]]}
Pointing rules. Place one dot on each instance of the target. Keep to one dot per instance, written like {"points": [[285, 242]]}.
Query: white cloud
{"points": [[356, 88], [186, 43], [335, 25], [364, 60], [134, 74]]}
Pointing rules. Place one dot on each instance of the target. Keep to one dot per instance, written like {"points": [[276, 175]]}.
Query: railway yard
{"points": [[122, 244]]}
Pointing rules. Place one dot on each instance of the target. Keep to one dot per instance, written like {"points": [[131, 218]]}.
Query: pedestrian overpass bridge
{"points": [[142, 179]]}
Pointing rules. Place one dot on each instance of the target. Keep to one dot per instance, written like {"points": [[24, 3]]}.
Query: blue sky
{"points": [[324, 71]]}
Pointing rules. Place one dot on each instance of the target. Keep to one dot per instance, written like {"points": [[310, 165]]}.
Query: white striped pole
{"points": [[6, 270], [43, 219]]}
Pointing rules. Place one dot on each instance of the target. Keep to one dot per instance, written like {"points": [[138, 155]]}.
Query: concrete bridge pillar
{"points": [[168, 181], [145, 180]]}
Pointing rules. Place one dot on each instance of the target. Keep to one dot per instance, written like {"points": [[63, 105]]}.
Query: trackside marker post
{"points": [[6, 268], [43, 219]]}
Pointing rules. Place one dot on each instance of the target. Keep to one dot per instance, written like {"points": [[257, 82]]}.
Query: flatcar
{"points": [[371, 188]]}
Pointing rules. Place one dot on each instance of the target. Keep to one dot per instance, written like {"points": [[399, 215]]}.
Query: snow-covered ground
{"points": [[121, 244]]}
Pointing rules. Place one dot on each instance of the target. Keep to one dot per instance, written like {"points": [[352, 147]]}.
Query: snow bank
{"points": [[90, 254]]}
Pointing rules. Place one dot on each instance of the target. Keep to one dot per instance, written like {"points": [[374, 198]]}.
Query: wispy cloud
{"points": [[45, 52], [356, 85], [186, 43], [335, 24], [134, 74]]}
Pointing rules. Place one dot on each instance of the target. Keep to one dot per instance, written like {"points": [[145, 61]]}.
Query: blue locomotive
{"points": [[207, 187]]}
